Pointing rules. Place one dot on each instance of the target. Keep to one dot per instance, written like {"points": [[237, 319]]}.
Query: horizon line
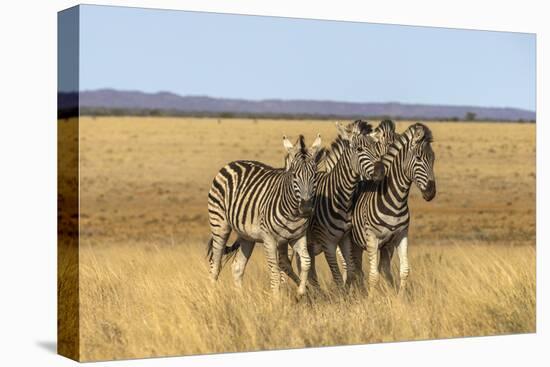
{"points": [[294, 99]]}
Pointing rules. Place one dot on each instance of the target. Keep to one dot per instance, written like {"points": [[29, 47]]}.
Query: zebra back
{"points": [[253, 198]]}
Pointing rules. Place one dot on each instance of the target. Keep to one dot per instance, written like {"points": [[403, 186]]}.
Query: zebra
{"points": [[354, 155], [264, 204], [331, 215], [380, 219]]}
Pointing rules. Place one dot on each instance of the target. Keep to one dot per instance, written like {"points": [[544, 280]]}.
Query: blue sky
{"points": [[252, 57]]}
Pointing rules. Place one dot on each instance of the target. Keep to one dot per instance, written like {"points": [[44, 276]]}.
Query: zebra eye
{"points": [[359, 149]]}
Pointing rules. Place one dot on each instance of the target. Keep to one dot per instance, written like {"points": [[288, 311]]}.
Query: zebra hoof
{"points": [[306, 297], [300, 293]]}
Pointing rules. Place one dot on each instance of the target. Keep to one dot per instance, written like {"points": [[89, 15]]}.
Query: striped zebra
{"points": [[380, 219], [264, 204], [355, 147], [385, 133], [352, 156]]}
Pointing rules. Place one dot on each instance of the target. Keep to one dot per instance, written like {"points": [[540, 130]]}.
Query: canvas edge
{"points": [[68, 214]]}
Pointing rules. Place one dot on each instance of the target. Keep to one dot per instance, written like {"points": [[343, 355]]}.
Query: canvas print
{"points": [[234, 183]]}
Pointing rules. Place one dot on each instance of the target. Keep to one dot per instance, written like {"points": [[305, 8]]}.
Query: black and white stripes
{"points": [[358, 202], [264, 204], [380, 220], [357, 157]]}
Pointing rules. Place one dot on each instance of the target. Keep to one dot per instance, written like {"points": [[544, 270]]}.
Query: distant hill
{"points": [[170, 103]]}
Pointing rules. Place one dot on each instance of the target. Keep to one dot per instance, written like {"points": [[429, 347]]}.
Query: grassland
{"points": [[143, 275]]}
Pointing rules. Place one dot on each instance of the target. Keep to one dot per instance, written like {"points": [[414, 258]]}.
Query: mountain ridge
{"points": [[204, 105]]}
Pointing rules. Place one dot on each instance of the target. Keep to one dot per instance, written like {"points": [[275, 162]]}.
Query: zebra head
{"points": [[421, 159], [385, 133], [301, 163], [365, 157]]}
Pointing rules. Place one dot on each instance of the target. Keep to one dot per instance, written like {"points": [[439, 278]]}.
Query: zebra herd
{"points": [[342, 200]]}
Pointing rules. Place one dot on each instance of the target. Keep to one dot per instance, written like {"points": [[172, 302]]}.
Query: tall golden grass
{"points": [[155, 300], [144, 288]]}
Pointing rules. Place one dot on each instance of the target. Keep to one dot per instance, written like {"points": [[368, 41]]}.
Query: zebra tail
{"points": [[230, 252]]}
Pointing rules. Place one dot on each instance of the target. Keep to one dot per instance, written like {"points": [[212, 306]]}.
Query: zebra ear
{"points": [[418, 135], [287, 144], [343, 131], [316, 143], [316, 150], [290, 152]]}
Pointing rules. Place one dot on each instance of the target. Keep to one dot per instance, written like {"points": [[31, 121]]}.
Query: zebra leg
{"points": [[286, 265], [290, 256], [312, 276], [348, 265], [403, 262], [357, 259], [330, 255], [372, 252], [241, 259], [340, 257], [384, 266], [271, 253], [300, 247], [219, 239]]}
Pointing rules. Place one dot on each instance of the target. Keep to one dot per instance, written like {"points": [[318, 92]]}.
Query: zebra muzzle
{"points": [[379, 171], [429, 192], [306, 207]]}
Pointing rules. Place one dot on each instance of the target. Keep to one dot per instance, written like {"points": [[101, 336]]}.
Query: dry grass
{"points": [[143, 275], [156, 300]]}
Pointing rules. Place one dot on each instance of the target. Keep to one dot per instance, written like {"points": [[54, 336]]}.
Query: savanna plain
{"points": [[144, 287]]}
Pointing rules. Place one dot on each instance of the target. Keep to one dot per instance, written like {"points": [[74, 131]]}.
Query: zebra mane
{"points": [[303, 149], [363, 127], [337, 147], [333, 154], [403, 140], [387, 125], [320, 157]]}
